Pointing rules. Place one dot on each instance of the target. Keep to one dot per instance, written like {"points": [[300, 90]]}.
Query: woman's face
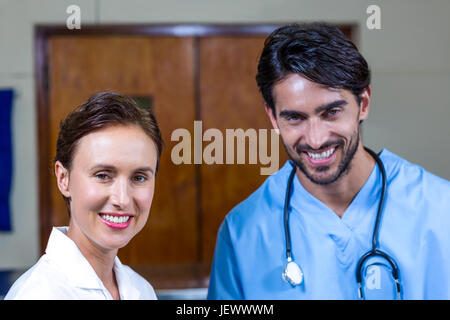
{"points": [[110, 185]]}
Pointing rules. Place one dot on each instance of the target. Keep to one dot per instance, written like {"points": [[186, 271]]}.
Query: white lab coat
{"points": [[64, 273]]}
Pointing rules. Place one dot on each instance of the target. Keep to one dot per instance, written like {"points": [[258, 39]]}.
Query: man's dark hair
{"points": [[316, 51]]}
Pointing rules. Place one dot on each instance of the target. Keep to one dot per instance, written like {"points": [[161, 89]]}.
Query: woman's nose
{"points": [[120, 195]]}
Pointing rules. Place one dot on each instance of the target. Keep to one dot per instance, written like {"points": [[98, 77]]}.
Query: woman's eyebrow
{"points": [[109, 167], [144, 169], [103, 167]]}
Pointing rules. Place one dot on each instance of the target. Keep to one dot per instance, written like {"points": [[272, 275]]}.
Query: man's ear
{"points": [[271, 113], [364, 104], [62, 179]]}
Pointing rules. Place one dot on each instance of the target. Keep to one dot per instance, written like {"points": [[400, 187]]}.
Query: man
{"points": [[316, 86]]}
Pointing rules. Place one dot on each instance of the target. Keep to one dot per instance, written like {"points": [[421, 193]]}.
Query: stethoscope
{"points": [[294, 274]]}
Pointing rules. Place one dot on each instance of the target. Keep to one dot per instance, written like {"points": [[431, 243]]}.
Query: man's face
{"points": [[319, 126]]}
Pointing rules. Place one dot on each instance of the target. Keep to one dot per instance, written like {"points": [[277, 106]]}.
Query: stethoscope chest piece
{"points": [[293, 274]]}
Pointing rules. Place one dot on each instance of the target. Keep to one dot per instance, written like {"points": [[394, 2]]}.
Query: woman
{"points": [[107, 156]]}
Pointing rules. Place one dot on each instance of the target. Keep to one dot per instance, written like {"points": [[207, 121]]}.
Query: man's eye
{"points": [[333, 112], [294, 118], [140, 178]]}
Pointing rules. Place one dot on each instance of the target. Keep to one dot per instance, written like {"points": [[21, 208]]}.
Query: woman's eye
{"points": [[101, 176]]}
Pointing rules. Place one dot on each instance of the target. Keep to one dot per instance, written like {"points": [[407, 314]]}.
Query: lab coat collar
{"points": [[123, 281], [65, 253]]}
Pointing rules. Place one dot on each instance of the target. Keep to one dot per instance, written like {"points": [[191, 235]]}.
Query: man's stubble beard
{"points": [[343, 167]]}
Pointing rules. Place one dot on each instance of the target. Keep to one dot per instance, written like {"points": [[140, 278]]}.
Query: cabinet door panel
{"points": [[229, 100], [161, 70]]}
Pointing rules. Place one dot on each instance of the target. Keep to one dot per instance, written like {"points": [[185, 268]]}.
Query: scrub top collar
{"points": [[366, 201], [65, 253]]}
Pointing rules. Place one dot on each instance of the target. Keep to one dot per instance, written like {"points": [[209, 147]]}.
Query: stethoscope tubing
{"points": [[375, 243], [287, 199]]}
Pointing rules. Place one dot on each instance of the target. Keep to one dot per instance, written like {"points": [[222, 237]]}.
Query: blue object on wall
{"points": [[6, 99]]}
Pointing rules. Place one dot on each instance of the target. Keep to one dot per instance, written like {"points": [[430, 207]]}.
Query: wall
{"points": [[409, 59]]}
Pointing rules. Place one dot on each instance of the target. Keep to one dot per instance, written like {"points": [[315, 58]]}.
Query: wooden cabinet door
{"points": [[229, 100], [162, 69], [209, 79]]}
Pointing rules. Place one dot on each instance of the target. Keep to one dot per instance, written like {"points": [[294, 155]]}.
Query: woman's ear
{"points": [[62, 178]]}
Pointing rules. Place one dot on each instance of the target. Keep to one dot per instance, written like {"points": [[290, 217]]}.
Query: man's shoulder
{"points": [[261, 204], [422, 190], [410, 174]]}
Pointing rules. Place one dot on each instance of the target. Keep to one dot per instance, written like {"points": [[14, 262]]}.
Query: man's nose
{"points": [[316, 134], [120, 195]]}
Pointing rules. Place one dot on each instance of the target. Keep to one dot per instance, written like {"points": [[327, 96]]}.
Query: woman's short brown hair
{"points": [[100, 111]]}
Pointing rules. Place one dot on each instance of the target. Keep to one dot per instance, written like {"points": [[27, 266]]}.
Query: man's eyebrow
{"points": [[328, 106], [290, 113]]}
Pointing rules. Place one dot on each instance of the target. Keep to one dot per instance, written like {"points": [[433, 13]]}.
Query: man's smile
{"points": [[321, 157]]}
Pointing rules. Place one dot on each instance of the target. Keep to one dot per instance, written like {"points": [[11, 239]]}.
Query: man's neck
{"points": [[338, 195]]}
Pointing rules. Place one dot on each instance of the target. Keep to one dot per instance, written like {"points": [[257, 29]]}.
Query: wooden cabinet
{"points": [[205, 73]]}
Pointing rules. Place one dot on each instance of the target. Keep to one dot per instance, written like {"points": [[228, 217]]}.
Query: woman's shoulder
{"points": [[145, 289], [41, 281]]}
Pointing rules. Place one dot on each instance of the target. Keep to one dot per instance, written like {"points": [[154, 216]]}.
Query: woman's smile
{"points": [[116, 220]]}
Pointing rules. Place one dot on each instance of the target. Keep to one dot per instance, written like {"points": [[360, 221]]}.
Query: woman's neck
{"points": [[101, 259]]}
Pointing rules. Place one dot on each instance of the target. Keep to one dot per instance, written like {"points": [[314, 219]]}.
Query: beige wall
{"points": [[409, 58]]}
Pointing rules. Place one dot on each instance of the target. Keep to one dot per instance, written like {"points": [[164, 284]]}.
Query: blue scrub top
{"points": [[250, 253]]}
